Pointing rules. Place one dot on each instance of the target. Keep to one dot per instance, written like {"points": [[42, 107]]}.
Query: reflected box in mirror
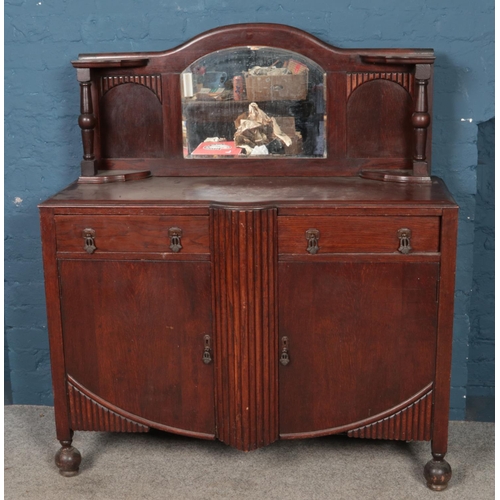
{"points": [[276, 87]]}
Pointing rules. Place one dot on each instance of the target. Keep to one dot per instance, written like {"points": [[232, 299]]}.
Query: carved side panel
{"points": [[379, 121], [132, 118], [412, 423], [152, 82], [88, 415], [406, 80], [246, 347]]}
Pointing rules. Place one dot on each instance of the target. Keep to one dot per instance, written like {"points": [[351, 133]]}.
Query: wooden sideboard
{"points": [[253, 298]]}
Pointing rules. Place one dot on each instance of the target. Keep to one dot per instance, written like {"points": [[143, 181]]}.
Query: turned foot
{"points": [[68, 459], [437, 473]]}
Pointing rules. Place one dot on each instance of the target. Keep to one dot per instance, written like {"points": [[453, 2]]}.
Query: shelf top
{"points": [[253, 191]]}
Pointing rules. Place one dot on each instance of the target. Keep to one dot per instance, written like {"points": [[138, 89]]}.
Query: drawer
{"points": [[139, 234], [356, 234]]}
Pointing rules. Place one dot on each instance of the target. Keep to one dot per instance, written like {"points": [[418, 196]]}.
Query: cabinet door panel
{"points": [[362, 340], [134, 336]]}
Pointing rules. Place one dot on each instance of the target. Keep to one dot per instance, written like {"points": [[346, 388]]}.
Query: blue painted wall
{"points": [[481, 376], [42, 140]]}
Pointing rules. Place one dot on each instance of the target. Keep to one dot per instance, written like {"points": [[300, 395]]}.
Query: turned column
{"points": [[421, 119], [87, 122]]}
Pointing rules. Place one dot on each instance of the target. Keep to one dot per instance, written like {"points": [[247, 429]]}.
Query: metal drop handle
{"points": [[284, 357], [207, 356], [312, 237], [175, 235], [89, 240], [404, 236]]}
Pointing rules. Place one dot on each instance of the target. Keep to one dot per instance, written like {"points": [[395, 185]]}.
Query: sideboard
{"points": [[255, 249]]}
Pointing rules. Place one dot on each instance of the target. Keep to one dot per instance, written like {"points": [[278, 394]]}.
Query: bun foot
{"points": [[437, 474], [68, 459]]}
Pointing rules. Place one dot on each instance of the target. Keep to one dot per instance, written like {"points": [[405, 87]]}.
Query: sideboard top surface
{"points": [[251, 191]]}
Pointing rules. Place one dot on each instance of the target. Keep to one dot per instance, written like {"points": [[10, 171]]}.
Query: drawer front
{"points": [[139, 234], [328, 234]]}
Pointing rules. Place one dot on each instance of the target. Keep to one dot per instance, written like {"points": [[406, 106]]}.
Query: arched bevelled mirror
{"points": [[253, 102]]}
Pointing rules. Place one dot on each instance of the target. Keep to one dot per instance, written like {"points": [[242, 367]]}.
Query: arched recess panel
{"points": [[379, 121], [131, 115]]}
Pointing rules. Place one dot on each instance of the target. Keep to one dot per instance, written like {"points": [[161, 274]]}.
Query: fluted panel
{"points": [[412, 423], [246, 347], [354, 80], [152, 82], [88, 415]]}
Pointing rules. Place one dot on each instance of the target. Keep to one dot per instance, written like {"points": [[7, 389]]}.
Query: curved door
{"points": [[361, 343], [134, 338]]}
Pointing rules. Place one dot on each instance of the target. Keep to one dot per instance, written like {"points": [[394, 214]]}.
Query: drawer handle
{"points": [[175, 235], [404, 236], [312, 237], [284, 357], [89, 238], [207, 357]]}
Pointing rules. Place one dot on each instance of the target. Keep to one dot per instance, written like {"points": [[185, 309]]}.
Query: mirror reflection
{"points": [[253, 102]]}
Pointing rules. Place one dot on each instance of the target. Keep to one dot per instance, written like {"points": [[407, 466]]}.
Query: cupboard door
{"points": [[134, 336], [361, 341]]}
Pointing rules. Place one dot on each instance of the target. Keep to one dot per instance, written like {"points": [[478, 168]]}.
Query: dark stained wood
{"points": [[177, 166], [404, 176], [422, 56], [236, 331], [116, 176], [111, 63], [366, 127], [357, 234], [131, 419], [132, 234], [87, 122], [89, 415], [68, 459], [437, 473], [244, 253], [379, 120], [137, 357], [362, 340], [421, 119], [412, 422], [131, 114], [318, 192], [152, 82], [445, 332], [52, 294]]}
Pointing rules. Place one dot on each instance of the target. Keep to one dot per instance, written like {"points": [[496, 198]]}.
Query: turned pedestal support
{"points": [[68, 459], [437, 472]]}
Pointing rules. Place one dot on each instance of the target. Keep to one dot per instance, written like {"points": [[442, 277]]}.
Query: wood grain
{"points": [[368, 106], [354, 80], [445, 332], [413, 423], [132, 234], [362, 340], [379, 121], [132, 117], [134, 337], [345, 234], [89, 415], [152, 82], [244, 281]]}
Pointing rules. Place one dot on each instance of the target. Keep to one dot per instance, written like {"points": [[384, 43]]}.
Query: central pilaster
{"points": [[244, 256]]}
